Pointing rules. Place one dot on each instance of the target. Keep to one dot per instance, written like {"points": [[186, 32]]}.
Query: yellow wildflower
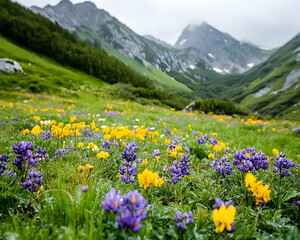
{"points": [[167, 141], [211, 156], [80, 145], [25, 131], [89, 168], [80, 168], [36, 118], [178, 148], [173, 154], [224, 217], [93, 125], [148, 177], [73, 119], [36, 130], [102, 155], [55, 130], [275, 152], [260, 191], [107, 136]]}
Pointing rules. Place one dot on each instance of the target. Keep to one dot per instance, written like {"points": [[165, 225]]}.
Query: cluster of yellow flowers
{"points": [[176, 151], [92, 146], [260, 191], [218, 147], [36, 130], [275, 152], [148, 177], [87, 168], [103, 155], [224, 217]]}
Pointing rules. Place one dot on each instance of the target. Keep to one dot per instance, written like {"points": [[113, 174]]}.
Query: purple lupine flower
{"points": [[46, 136], [222, 167], [41, 154], [88, 133], [16, 118], [194, 132], [187, 149], [129, 153], [168, 131], [155, 153], [282, 164], [106, 144], [128, 169], [3, 160], [3, 169], [295, 130], [98, 136], [132, 210], [213, 141], [227, 150], [165, 169], [181, 169], [259, 160], [298, 203], [112, 201], [202, 139], [116, 143], [34, 179], [182, 220], [59, 152], [23, 153], [242, 161]]}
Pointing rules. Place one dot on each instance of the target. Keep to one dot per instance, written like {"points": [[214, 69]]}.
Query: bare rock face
{"points": [[9, 66]]}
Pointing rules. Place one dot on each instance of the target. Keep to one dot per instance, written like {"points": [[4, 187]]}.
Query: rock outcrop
{"points": [[9, 66]]}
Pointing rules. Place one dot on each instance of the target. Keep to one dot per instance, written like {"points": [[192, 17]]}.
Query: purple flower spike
{"points": [[183, 219], [33, 180], [112, 201]]}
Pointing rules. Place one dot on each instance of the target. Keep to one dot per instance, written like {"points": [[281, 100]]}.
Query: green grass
{"points": [[61, 210], [43, 74]]}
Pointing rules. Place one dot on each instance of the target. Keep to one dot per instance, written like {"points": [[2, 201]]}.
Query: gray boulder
{"points": [[9, 66]]}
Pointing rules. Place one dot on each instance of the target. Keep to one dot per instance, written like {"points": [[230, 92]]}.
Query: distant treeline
{"points": [[41, 35], [218, 106]]}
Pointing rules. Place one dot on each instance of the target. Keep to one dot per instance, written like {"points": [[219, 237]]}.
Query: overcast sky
{"points": [[268, 23]]}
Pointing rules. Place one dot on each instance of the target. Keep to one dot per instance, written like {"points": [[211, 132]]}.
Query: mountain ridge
{"points": [[120, 37]]}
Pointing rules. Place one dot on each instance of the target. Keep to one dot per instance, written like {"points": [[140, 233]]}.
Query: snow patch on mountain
{"points": [[250, 65], [192, 67], [210, 55], [291, 79], [298, 57], [261, 92], [183, 41], [218, 70]]}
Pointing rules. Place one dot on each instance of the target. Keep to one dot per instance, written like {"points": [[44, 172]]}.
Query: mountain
{"points": [[158, 41], [225, 59], [272, 87], [114, 33], [225, 53]]}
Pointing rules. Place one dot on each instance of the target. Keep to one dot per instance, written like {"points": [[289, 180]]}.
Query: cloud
{"points": [[264, 22]]}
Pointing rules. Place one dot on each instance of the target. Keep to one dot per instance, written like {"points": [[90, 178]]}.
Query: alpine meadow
{"points": [[109, 134]]}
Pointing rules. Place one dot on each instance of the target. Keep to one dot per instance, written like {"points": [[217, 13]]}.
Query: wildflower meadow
{"points": [[115, 169]]}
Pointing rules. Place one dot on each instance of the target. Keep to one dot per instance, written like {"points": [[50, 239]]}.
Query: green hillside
{"points": [[265, 88], [160, 78]]}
